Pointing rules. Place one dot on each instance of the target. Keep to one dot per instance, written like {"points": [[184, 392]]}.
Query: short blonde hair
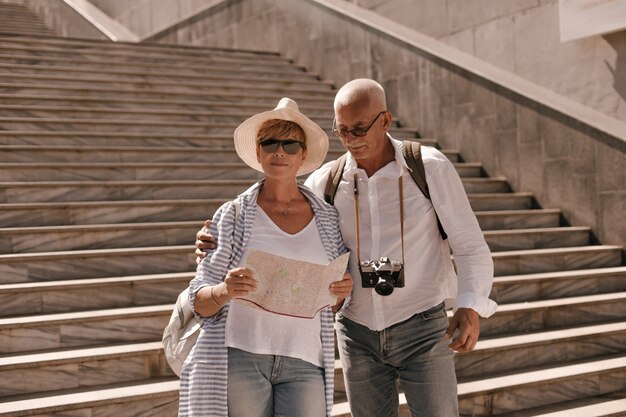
{"points": [[281, 129]]}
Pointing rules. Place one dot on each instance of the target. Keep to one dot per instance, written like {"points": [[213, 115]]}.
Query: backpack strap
{"points": [[413, 157], [334, 178]]}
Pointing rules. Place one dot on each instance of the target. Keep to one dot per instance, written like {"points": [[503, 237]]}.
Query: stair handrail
{"points": [[111, 28]]}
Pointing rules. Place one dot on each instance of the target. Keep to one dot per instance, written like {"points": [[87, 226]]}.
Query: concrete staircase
{"points": [[112, 155], [15, 18]]}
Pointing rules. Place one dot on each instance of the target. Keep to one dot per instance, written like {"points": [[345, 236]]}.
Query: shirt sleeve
{"points": [[474, 263], [316, 182], [213, 268]]}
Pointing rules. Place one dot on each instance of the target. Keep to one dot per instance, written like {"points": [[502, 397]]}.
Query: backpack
{"points": [[181, 333], [413, 157]]}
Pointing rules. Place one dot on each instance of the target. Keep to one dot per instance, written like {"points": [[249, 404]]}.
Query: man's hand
{"points": [[467, 321], [204, 241]]}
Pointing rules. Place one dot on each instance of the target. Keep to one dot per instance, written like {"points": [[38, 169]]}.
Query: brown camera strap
{"points": [[356, 217]]}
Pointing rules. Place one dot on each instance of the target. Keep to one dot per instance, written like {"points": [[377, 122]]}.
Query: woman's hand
{"points": [[238, 283], [341, 289]]}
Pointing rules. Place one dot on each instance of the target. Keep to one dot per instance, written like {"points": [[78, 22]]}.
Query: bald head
{"points": [[361, 93]]}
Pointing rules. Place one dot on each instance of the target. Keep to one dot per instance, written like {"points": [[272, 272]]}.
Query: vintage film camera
{"points": [[382, 275]]}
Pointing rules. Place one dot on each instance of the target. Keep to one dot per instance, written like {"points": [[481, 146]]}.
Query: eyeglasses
{"points": [[290, 146], [358, 132]]}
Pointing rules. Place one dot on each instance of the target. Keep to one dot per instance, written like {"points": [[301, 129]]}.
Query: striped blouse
{"points": [[204, 377]]}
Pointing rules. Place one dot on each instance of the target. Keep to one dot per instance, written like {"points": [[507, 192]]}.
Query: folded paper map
{"points": [[290, 287]]}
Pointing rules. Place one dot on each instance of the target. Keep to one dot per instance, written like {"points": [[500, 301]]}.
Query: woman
{"points": [[249, 362]]}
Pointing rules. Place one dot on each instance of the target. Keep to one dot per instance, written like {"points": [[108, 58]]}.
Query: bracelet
{"points": [[213, 298]]}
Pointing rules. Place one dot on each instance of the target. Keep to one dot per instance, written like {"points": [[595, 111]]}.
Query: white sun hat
{"points": [[287, 109]]}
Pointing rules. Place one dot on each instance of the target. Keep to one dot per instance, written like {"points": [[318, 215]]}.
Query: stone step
{"points": [[609, 405], [160, 398], [24, 27], [149, 398], [257, 67], [26, 155], [26, 192], [80, 237], [211, 74], [104, 91], [113, 125], [287, 89], [500, 356], [556, 259], [502, 201], [191, 142], [19, 16], [95, 263], [217, 84], [504, 355], [107, 48], [95, 53], [119, 154], [17, 239], [106, 236], [537, 238], [498, 395], [557, 313], [518, 219], [144, 126], [549, 285], [143, 116], [50, 191], [88, 368], [103, 212], [308, 108], [91, 293], [124, 171], [83, 328], [25, 17], [501, 395]]}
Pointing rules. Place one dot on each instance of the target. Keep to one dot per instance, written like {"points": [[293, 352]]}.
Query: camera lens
{"points": [[383, 287]]}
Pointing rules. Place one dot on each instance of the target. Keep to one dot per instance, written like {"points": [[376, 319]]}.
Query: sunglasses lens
{"points": [[290, 147], [270, 146]]}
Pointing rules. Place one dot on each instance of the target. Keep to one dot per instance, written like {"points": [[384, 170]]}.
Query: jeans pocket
{"points": [[437, 312]]}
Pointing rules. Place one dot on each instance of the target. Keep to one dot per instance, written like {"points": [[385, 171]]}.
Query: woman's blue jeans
{"points": [[274, 386], [412, 352]]}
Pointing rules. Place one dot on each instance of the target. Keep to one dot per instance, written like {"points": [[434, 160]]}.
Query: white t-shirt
{"points": [[258, 331]]}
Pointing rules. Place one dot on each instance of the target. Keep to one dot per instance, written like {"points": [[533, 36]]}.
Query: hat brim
{"points": [[316, 139]]}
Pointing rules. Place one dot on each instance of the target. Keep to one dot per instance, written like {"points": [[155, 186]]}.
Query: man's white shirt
{"points": [[429, 275]]}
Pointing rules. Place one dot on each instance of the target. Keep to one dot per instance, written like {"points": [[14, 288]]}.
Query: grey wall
{"points": [[143, 17], [564, 166], [522, 36], [61, 18]]}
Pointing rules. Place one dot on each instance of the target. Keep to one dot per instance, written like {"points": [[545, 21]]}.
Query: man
{"points": [[405, 335]]}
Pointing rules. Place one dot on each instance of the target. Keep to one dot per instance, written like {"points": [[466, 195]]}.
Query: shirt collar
{"points": [[398, 146]]}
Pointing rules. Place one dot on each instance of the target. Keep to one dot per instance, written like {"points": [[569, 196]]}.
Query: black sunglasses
{"points": [[290, 146], [357, 132]]}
